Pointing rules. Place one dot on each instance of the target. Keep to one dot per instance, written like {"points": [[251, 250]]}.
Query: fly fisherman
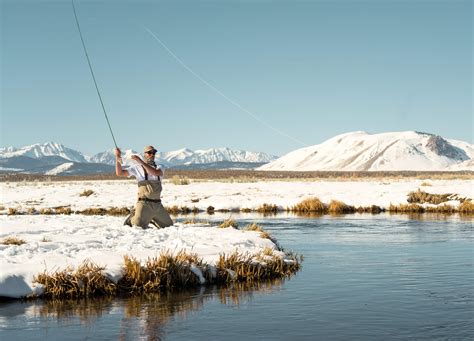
{"points": [[148, 207]]}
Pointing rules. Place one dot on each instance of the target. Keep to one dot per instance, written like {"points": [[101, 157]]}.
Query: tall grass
{"points": [[165, 272]]}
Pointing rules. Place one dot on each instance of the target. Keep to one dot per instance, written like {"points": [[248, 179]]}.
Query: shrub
{"points": [[425, 183]]}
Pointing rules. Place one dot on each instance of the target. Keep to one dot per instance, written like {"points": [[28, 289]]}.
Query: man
{"points": [[148, 207]]}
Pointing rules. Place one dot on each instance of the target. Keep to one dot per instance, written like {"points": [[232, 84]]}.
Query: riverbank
{"points": [[78, 256], [97, 197]]}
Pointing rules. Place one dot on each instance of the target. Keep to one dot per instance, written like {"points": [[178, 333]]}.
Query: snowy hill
{"points": [[37, 151], [396, 151]]}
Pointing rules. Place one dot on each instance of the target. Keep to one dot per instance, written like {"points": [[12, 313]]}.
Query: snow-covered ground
{"points": [[225, 195], [56, 242]]}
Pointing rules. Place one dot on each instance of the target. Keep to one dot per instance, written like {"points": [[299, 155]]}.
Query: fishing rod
{"points": [[92, 73]]}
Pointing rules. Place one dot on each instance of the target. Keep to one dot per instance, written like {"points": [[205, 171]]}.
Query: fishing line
{"points": [[220, 93], [92, 73]]}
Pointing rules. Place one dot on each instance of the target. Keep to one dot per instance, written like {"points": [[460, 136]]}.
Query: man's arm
{"points": [[119, 171], [149, 169]]}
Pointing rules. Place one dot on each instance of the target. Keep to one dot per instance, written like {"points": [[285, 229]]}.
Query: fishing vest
{"points": [[149, 190]]}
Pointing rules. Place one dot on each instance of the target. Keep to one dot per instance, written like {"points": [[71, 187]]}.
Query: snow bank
{"points": [[225, 195], [56, 242]]}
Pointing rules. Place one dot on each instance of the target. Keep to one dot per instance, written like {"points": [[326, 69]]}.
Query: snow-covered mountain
{"points": [[38, 150], [189, 157], [186, 156], [395, 151], [53, 158]]}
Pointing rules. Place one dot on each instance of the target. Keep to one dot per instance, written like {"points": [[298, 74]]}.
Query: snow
{"points": [[56, 242], [360, 151], [41, 150], [60, 169], [224, 195]]}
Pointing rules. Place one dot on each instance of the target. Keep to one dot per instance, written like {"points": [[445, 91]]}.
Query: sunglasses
{"points": [[150, 152]]}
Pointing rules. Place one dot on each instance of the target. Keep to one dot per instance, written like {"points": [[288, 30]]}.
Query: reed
{"points": [[13, 211]]}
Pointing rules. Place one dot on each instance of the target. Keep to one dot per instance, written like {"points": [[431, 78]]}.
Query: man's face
{"points": [[150, 155]]}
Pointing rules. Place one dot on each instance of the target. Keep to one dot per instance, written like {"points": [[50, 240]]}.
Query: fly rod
{"points": [[92, 73]]}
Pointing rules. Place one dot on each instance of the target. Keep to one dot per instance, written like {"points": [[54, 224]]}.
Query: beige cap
{"points": [[148, 148]]}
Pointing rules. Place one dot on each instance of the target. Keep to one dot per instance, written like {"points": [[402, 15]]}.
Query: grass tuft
{"points": [[466, 207], [228, 223], [421, 197], [310, 205], [12, 241], [86, 193], [425, 183], [180, 180], [88, 280], [338, 207], [268, 208]]}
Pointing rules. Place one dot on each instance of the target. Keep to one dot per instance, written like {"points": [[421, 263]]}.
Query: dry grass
{"points": [[268, 208], [406, 208], [86, 193], [210, 210], [174, 210], [2, 207], [63, 210], [338, 207], [180, 180], [425, 183], [45, 239], [228, 223], [88, 280], [374, 209], [12, 241], [310, 205], [32, 210], [166, 272], [12, 211], [421, 197], [46, 211], [466, 207]]}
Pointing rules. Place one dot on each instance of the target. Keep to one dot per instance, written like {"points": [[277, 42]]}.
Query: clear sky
{"points": [[310, 69]]}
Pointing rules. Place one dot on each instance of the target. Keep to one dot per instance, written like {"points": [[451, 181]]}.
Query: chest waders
{"points": [[148, 207]]}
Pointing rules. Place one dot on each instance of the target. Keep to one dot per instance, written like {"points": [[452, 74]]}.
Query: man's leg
{"points": [[143, 214], [161, 216]]}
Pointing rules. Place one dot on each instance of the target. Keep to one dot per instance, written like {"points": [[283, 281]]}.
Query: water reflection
{"points": [[139, 316]]}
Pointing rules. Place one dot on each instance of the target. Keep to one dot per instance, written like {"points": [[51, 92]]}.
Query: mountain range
{"points": [[396, 151], [55, 159], [354, 151]]}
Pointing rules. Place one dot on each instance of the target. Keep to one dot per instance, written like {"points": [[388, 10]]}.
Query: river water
{"points": [[364, 277]]}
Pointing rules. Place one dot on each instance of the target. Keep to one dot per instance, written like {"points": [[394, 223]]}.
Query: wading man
{"points": [[148, 208]]}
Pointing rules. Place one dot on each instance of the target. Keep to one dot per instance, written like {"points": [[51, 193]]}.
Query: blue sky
{"points": [[310, 69]]}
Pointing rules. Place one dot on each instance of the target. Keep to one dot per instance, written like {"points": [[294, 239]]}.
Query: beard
{"points": [[150, 162]]}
